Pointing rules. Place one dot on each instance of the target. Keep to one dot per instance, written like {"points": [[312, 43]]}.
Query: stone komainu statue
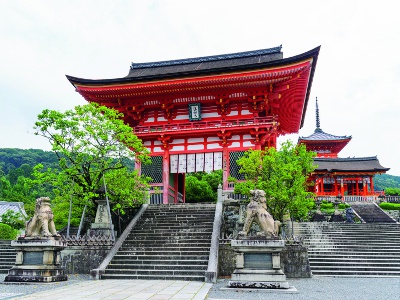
{"points": [[41, 224], [257, 211]]}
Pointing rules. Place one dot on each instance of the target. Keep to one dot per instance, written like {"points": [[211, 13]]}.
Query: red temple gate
{"points": [[201, 114]]}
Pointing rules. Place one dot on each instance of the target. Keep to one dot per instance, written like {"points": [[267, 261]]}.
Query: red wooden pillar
{"points": [[357, 189], [335, 191], [322, 186], [165, 176], [225, 167], [341, 187], [138, 167], [371, 184], [365, 187]]}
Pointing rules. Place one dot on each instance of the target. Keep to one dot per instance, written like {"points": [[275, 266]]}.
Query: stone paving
{"points": [[121, 289], [316, 288]]}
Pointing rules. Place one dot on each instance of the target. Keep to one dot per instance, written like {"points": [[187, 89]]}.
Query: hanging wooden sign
{"points": [[199, 162], [173, 159], [194, 112], [191, 163], [182, 163]]}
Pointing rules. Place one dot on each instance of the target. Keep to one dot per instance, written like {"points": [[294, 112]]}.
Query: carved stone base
{"points": [[36, 274], [258, 264], [37, 260]]}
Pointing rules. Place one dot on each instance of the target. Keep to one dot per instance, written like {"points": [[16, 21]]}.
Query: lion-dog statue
{"points": [[42, 223], [257, 211]]}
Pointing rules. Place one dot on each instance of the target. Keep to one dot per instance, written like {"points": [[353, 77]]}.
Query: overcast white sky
{"points": [[356, 79]]}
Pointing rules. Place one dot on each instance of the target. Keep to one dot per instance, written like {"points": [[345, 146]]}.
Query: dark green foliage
{"points": [[202, 186], [7, 232], [392, 191], [384, 181], [13, 219], [198, 190], [390, 206]]}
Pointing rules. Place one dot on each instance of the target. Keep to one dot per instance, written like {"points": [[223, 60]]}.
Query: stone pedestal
{"points": [[258, 264], [37, 260], [101, 225]]}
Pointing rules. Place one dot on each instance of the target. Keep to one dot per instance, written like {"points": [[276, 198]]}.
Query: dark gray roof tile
{"points": [[350, 164]]}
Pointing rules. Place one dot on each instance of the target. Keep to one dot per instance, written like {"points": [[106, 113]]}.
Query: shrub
{"points": [[390, 206], [7, 232]]}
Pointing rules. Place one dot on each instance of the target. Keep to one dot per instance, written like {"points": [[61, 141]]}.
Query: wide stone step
{"points": [[355, 259], [161, 248], [166, 261], [163, 231], [166, 252], [350, 246], [156, 267], [154, 277], [168, 237], [356, 268], [158, 272], [350, 252], [355, 264], [172, 243], [352, 273], [160, 257], [172, 225]]}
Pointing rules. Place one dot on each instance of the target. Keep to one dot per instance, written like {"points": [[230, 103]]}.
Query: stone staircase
{"points": [[7, 256], [371, 213], [352, 250], [170, 242]]}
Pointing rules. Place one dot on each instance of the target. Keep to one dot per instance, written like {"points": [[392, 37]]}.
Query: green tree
{"points": [[13, 219], [90, 141], [126, 189], [282, 175]]}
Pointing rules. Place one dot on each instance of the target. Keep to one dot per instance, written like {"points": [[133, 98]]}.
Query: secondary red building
{"points": [[201, 114], [335, 176]]}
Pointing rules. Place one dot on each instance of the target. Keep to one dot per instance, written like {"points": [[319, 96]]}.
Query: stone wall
{"points": [[294, 260], [82, 259], [226, 260]]}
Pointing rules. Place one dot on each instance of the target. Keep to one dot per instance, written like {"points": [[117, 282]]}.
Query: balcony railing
{"points": [[215, 124]]}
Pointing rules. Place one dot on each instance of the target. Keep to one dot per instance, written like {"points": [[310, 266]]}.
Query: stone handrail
{"points": [[96, 273], [211, 274]]}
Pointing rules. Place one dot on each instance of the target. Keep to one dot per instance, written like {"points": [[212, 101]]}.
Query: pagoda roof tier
{"points": [[319, 135], [358, 165], [283, 83], [324, 143]]}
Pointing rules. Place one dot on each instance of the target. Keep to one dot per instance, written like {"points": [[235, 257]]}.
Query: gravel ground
{"points": [[321, 288], [9, 291]]}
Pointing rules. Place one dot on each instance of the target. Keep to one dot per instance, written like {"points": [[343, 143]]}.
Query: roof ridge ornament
{"points": [[206, 58]]}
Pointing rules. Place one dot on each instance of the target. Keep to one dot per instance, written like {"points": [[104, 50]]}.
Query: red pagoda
{"points": [[201, 114], [339, 177]]}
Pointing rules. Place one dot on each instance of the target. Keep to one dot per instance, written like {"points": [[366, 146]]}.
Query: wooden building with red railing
{"points": [[335, 176], [201, 114]]}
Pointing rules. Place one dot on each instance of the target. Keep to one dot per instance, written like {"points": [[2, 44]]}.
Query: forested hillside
{"points": [[385, 181], [17, 182], [11, 158]]}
